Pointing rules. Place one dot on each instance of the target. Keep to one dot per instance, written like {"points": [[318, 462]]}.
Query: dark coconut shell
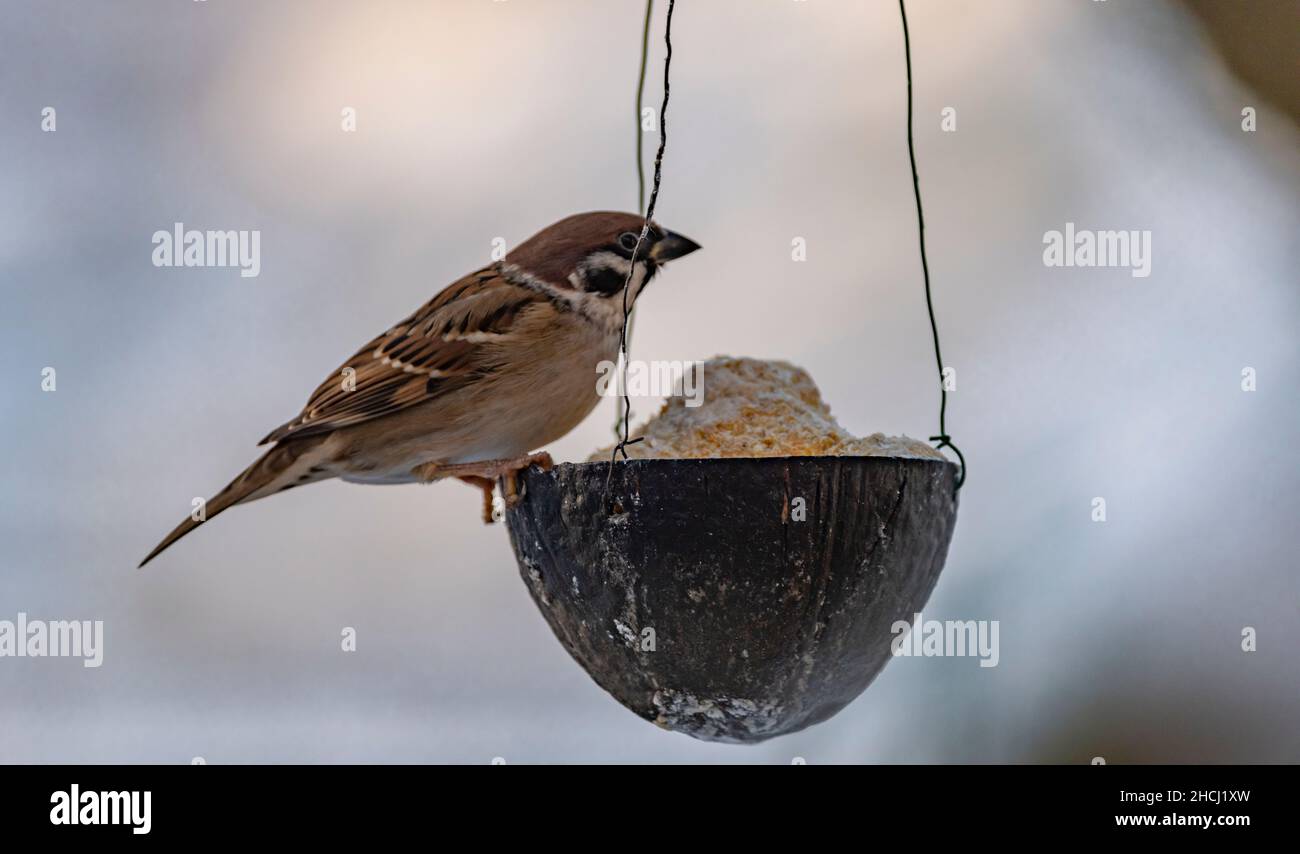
{"points": [[701, 597]]}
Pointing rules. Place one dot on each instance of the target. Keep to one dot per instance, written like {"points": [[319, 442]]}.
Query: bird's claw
{"points": [[483, 475]]}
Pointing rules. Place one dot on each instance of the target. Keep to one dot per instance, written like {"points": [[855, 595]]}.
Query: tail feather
{"points": [[273, 472]]}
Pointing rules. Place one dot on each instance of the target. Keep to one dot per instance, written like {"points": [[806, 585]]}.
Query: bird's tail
{"points": [[286, 465]]}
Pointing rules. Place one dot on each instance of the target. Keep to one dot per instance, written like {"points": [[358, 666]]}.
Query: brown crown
{"points": [[554, 252]]}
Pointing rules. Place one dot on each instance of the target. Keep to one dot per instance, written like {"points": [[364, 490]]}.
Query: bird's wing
{"points": [[439, 348]]}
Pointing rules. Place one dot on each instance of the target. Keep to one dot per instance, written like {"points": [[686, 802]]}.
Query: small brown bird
{"points": [[501, 362]]}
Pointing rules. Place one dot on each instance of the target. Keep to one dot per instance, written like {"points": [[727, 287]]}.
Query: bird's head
{"points": [[590, 254]]}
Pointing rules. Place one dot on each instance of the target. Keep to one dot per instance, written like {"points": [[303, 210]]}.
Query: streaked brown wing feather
{"points": [[437, 349]]}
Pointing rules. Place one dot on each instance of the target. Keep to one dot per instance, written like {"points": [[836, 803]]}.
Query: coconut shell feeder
{"points": [[735, 599], [706, 605]]}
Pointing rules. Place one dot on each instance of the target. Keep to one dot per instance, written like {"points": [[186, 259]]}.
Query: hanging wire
{"points": [[624, 441], [640, 167], [944, 440]]}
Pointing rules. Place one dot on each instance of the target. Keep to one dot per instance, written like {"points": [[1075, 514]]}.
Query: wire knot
{"points": [[945, 441], [621, 448]]}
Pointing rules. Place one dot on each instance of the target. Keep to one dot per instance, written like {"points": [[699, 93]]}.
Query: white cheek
{"points": [[607, 261], [638, 281]]}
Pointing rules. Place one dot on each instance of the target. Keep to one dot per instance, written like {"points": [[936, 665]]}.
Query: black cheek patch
{"points": [[604, 281]]}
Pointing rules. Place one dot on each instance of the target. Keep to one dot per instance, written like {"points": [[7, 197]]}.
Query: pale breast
{"points": [[550, 388]]}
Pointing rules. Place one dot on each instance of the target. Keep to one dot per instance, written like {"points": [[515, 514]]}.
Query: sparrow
{"points": [[499, 363]]}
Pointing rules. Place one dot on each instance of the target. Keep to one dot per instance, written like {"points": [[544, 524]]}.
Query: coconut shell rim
{"points": [[774, 459]]}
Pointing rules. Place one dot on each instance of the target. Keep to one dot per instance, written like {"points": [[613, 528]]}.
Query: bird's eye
{"points": [[628, 240]]}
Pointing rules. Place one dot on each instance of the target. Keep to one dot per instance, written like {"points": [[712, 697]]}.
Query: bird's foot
{"points": [[486, 484], [484, 473]]}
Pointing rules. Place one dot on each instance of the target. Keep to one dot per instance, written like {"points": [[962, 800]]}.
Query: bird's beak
{"points": [[672, 246]]}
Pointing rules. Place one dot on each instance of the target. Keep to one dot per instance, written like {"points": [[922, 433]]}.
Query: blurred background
{"points": [[479, 119]]}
